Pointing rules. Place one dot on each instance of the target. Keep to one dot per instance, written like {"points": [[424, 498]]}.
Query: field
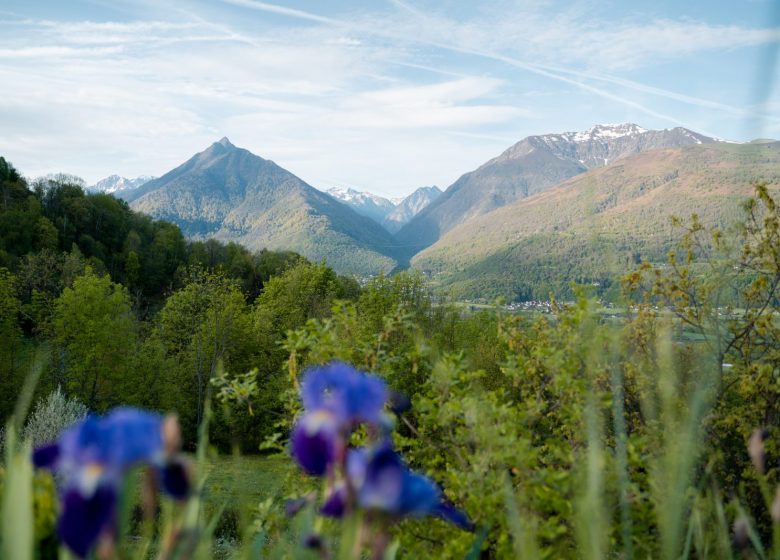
{"points": [[245, 481]]}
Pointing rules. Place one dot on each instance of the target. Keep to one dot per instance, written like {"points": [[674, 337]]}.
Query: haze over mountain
{"points": [[594, 227], [407, 208], [531, 166], [116, 184], [231, 194]]}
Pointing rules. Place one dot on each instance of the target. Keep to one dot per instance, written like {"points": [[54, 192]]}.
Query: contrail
{"points": [[551, 72]]}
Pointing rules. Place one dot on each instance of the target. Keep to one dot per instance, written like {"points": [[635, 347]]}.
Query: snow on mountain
{"points": [[364, 203], [606, 131], [115, 183], [532, 165]]}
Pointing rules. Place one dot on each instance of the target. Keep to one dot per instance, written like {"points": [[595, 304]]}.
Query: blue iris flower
{"points": [[336, 397], [316, 441], [91, 458], [383, 482], [349, 395]]}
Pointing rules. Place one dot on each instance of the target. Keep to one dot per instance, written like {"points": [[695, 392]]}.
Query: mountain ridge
{"points": [[532, 165], [231, 194], [595, 226], [409, 206]]}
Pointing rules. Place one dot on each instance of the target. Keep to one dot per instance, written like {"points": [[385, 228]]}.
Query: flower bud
{"points": [[741, 533], [756, 449], [171, 434], [775, 511], [313, 541]]}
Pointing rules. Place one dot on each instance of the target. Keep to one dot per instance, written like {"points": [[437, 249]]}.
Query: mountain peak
{"points": [[116, 183], [607, 131], [225, 142]]}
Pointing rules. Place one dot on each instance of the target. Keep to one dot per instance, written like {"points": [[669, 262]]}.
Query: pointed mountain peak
{"points": [[220, 147]]}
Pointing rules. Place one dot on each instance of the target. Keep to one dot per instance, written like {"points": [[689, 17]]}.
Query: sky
{"points": [[378, 95]]}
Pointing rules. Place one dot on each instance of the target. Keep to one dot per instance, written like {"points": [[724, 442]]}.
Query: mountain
{"points": [[407, 208], [365, 204], [233, 195], [115, 183], [391, 214], [596, 226], [532, 165]]}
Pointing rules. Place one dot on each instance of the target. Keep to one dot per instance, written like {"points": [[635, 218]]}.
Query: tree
{"points": [[10, 342], [203, 324], [96, 333]]}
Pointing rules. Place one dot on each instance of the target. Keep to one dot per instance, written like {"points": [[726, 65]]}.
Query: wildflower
{"points": [[336, 398], [381, 481], [349, 395], [92, 457]]}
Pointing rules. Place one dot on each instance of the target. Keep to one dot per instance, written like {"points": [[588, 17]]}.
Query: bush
{"points": [[51, 416]]}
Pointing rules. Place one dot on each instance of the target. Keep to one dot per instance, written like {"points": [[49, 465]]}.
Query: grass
{"points": [[234, 489], [245, 481]]}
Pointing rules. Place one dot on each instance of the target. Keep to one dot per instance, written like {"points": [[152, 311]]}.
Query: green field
{"points": [[245, 481]]}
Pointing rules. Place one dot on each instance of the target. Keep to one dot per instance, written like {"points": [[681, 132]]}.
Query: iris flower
{"points": [[92, 457], [336, 398], [381, 481]]}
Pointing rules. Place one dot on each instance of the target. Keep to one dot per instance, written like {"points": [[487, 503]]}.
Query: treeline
{"points": [[130, 312]]}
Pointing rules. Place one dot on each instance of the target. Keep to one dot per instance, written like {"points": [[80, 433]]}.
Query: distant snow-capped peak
{"points": [[351, 196], [605, 132], [115, 183]]}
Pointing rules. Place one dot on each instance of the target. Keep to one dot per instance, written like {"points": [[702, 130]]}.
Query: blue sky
{"points": [[384, 96]]}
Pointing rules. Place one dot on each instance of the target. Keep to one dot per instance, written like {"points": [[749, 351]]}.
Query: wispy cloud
{"points": [[562, 38], [338, 95]]}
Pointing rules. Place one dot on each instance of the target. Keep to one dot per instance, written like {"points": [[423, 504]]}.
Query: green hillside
{"points": [[592, 227], [230, 194]]}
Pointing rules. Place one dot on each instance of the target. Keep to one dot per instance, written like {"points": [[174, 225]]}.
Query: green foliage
{"points": [[562, 435], [95, 330], [11, 336]]}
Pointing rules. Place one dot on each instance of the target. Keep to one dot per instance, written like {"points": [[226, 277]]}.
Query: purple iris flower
{"points": [[383, 482], [91, 458], [351, 396], [316, 441], [336, 397]]}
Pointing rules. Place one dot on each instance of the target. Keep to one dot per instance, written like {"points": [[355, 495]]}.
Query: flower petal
{"points": [[314, 442], [384, 479], [336, 503], [450, 513], [46, 456], [350, 395], [420, 496], [83, 519], [175, 479]]}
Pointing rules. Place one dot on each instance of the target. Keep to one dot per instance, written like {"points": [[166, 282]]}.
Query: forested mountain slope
{"points": [[592, 227]]}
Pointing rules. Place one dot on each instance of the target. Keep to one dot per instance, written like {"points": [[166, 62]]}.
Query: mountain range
{"points": [[550, 209], [391, 214], [595, 226], [115, 184], [530, 166], [230, 194]]}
